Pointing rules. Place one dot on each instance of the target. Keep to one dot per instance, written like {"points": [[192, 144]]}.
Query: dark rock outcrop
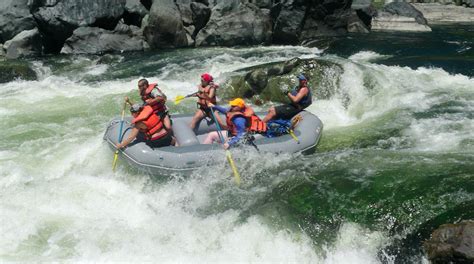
{"points": [[165, 28], [57, 22], [14, 18], [452, 243], [232, 23], [93, 40], [134, 13], [26, 43], [12, 70]]}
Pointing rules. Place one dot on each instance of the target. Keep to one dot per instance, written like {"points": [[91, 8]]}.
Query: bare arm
{"points": [[296, 98], [130, 138]]}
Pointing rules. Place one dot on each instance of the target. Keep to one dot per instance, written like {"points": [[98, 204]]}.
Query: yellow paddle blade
{"points": [[114, 163], [234, 168], [294, 136], [178, 99]]}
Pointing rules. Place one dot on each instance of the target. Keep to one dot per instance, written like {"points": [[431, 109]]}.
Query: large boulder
{"points": [[200, 14], [12, 69], [15, 17], [288, 25], [26, 43], [93, 40], [232, 23], [164, 27], [452, 243], [57, 22]]}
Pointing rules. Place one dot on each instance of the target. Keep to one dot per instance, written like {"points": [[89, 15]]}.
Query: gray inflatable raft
{"points": [[191, 154]]}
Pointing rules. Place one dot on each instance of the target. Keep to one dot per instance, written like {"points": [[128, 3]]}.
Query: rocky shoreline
{"points": [[37, 27]]}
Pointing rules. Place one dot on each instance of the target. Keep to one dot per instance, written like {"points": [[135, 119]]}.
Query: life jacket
{"points": [[202, 103], [153, 122], [305, 101], [158, 107], [254, 124]]}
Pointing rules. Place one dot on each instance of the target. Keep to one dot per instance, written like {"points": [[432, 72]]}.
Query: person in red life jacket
{"points": [[152, 126], [206, 94], [300, 98], [154, 97], [240, 119]]}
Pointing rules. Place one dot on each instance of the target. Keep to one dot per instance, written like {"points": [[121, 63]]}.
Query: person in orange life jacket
{"points": [[300, 98], [147, 122], [240, 119], [206, 94], [154, 97]]}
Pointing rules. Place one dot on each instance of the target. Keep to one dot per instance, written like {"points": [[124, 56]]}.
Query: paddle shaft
{"points": [[227, 152], [120, 137]]}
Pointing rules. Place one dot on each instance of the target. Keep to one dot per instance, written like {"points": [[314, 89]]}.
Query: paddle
{"points": [[294, 122], [227, 152], [179, 98], [114, 163]]}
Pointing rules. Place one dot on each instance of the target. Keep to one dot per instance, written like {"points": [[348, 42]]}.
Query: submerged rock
{"points": [[12, 70], [266, 82], [452, 243]]}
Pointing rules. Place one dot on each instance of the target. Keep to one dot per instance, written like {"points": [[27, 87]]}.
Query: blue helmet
{"points": [[301, 77]]}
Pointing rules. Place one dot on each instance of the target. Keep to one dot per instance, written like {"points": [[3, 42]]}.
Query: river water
{"points": [[395, 160]]}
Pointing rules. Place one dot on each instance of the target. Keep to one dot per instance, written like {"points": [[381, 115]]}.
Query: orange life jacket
{"points": [[157, 106], [202, 102], [254, 124], [153, 123]]}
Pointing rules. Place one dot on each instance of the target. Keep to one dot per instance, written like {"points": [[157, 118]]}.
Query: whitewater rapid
{"points": [[60, 201]]}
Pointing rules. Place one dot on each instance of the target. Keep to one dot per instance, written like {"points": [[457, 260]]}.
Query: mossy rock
{"points": [[12, 70], [267, 81]]}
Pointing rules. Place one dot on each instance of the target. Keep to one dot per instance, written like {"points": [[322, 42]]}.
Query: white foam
{"points": [[367, 56]]}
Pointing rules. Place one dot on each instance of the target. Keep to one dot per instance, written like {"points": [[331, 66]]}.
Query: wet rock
{"points": [[26, 43], [15, 17], [451, 243], [388, 22], [2, 51], [232, 23], [165, 27], [184, 7], [93, 40], [438, 13], [57, 22], [12, 70]]}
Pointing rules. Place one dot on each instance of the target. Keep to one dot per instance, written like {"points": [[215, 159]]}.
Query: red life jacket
{"points": [[254, 124], [153, 123], [202, 102], [157, 106]]}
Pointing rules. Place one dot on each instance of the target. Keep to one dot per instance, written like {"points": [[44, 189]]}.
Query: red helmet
{"points": [[206, 77]]}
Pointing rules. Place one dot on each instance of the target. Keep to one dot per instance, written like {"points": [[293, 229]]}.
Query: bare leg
{"points": [[214, 137], [271, 114], [198, 116]]}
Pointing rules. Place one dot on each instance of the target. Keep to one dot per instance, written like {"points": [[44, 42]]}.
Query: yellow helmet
{"points": [[237, 102]]}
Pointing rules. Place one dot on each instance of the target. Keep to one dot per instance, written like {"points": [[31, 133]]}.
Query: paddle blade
{"points": [[114, 163], [178, 99], [234, 168]]}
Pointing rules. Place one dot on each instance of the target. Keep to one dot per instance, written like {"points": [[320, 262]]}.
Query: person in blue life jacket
{"points": [[240, 119], [300, 98]]}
